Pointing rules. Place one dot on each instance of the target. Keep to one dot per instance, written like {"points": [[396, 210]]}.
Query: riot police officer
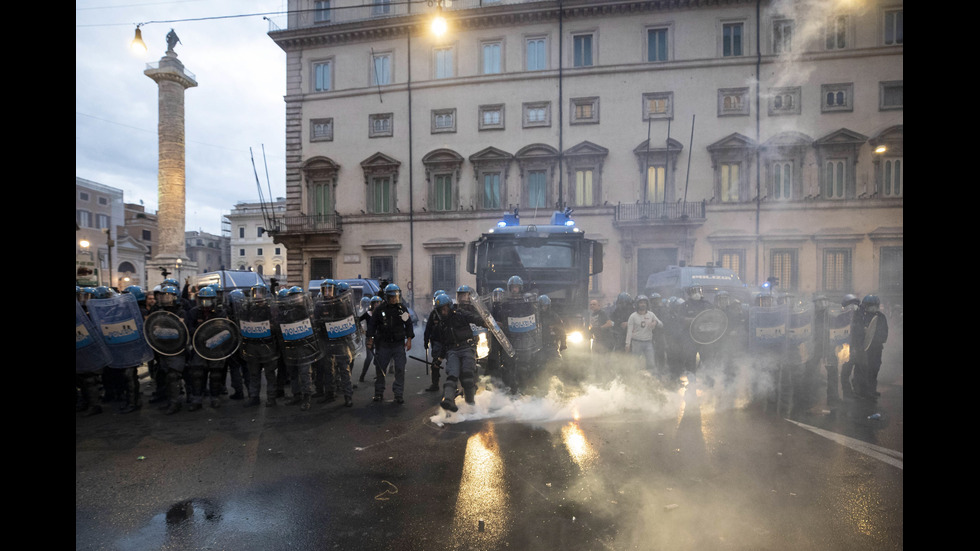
{"points": [[519, 315], [203, 371], [334, 314], [552, 334], [456, 335], [260, 348], [300, 346], [869, 331], [431, 337], [172, 367], [390, 332]]}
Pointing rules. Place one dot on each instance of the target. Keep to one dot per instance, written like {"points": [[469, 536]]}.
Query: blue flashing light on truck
{"points": [[554, 259]]}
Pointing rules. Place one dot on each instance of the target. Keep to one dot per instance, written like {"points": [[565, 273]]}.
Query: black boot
{"points": [[348, 402], [449, 397]]}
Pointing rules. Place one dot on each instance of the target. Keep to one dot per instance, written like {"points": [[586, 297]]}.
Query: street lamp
{"points": [[137, 45]]}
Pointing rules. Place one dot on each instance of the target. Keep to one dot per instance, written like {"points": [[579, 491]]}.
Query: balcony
{"points": [[309, 224], [659, 213]]}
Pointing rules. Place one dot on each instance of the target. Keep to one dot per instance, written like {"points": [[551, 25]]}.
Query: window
{"points": [[442, 193], [492, 55], [444, 271], [321, 12], [492, 117], [380, 69], [537, 54], [655, 184], [585, 110], [731, 39], [103, 201], [443, 120], [657, 44], [537, 189], [837, 270], [82, 196], [380, 125], [147, 235], [730, 182], [278, 250], [537, 114], [278, 269], [782, 265], [443, 62], [492, 191], [891, 273], [784, 101], [101, 221], [379, 195], [658, 105], [258, 231], [258, 268], [83, 218], [891, 177], [782, 180], [241, 252], [733, 102], [835, 34], [835, 179], [258, 251], [381, 7], [582, 50], [321, 130], [732, 259], [241, 232], [383, 267], [322, 76], [321, 268], [894, 27], [837, 97], [890, 95], [782, 36], [583, 194]]}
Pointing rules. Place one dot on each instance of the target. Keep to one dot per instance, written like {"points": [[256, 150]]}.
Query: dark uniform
{"points": [[390, 331], [455, 333]]}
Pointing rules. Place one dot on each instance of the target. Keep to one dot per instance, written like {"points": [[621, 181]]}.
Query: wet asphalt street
{"points": [[616, 462]]}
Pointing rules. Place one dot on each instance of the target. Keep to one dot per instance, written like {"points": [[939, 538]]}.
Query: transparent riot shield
{"points": [[216, 339], [120, 324], [91, 352], [521, 323], [255, 320], [294, 315], [799, 335], [709, 326], [337, 318], [479, 304], [166, 333], [767, 328]]}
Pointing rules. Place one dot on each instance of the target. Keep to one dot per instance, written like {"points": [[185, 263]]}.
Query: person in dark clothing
{"points": [[390, 333]]}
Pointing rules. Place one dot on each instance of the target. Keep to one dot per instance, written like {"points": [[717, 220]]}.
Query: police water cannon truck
{"points": [[552, 259]]}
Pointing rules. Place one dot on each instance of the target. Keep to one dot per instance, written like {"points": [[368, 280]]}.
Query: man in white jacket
{"points": [[639, 332]]}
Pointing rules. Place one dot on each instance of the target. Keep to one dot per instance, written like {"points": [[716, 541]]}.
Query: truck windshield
{"points": [[550, 255]]}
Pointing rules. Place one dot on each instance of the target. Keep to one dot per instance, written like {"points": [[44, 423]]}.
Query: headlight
{"points": [[574, 337], [482, 346]]}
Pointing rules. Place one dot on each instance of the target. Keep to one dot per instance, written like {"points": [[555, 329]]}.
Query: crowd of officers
{"points": [[660, 331], [288, 339], [285, 338]]}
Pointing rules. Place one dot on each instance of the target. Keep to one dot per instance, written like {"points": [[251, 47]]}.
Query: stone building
{"points": [[765, 136]]}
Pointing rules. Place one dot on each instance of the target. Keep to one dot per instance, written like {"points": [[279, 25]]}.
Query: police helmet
{"points": [[848, 300], [295, 290], [393, 292], [624, 298], [206, 297], [544, 301], [515, 281], [328, 287], [282, 293], [464, 292], [365, 303], [236, 295], [443, 300], [136, 291], [871, 302], [168, 295], [497, 294], [171, 281], [341, 288], [101, 292], [695, 292], [259, 290], [375, 299]]}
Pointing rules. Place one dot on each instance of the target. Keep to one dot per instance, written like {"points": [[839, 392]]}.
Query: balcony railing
{"points": [[315, 223], [640, 212]]}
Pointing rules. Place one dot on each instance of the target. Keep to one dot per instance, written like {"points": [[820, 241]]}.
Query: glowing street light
{"points": [[137, 45]]}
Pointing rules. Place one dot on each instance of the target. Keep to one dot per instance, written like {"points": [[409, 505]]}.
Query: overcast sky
{"points": [[237, 104]]}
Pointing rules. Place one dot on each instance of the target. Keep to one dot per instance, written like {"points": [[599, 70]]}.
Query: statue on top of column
{"points": [[172, 40]]}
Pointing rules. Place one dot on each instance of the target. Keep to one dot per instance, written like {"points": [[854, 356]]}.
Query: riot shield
{"points": [[120, 324], [870, 333], [799, 336], [336, 317], [216, 339], [709, 326], [91, 352], [839, 326], [255, 320], [521, 325], [767, 328], [166, 333], [294, 315], [479, 304]]}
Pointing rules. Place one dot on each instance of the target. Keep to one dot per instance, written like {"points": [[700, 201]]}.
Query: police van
{"points": [[229, 280], [673, 282]]}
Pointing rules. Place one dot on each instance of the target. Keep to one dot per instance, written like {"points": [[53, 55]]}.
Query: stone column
{"points": [[172, 79]]}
